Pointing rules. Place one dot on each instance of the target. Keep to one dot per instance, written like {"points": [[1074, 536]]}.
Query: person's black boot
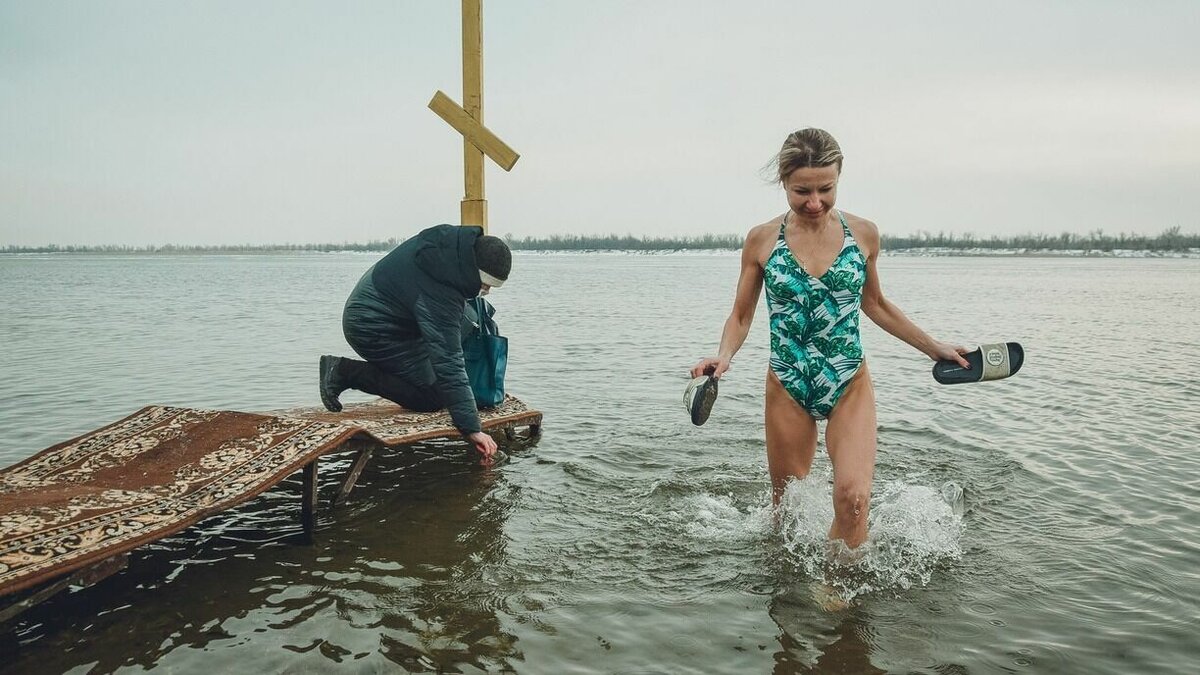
{"points": [[369, 378], [331, 383]]}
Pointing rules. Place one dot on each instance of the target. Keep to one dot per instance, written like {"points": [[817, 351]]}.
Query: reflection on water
{"points": [[813, 640], [1045, 523]]}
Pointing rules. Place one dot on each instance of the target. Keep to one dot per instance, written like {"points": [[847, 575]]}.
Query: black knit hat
{"points": [[493, 259]]}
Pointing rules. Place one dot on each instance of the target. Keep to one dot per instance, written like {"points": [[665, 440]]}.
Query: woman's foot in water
{"points": [[828, 598]]}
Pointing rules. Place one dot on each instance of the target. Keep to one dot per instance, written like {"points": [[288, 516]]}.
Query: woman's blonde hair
{"points": [[806, 149]]}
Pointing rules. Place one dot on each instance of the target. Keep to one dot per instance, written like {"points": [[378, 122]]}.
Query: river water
{"points": [[1045, 523]]}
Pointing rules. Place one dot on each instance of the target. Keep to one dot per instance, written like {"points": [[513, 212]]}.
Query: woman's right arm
{"points": [[737, 326]]}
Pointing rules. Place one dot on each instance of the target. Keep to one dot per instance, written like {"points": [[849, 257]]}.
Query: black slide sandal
{"points": [[989, 362], [699, 397]]}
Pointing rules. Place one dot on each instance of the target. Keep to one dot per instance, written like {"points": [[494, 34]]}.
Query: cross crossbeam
{"points": [[474, 132]]}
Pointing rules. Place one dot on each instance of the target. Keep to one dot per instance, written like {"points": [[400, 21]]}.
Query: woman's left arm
{"points": [[887, 315]]}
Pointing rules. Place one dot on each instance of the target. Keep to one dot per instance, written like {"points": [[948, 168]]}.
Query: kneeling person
{"points": [[405, 318]]}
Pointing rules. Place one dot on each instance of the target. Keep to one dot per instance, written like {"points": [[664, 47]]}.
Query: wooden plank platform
{"points": [[74, 506]]}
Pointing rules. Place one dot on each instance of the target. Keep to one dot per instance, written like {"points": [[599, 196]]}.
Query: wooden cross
{"points": [[468, 119]]}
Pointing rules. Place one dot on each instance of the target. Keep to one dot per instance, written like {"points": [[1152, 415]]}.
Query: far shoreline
{"points": [[930, 252], [1170, 243]]}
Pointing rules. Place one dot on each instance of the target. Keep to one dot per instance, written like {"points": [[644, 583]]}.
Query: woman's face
{"points": [[812, 192]]}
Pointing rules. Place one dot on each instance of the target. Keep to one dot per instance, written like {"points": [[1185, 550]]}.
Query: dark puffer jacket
{"points": [[410, 304]]}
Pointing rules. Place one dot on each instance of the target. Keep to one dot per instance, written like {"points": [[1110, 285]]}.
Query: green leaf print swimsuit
{"points": [[815, 346]]}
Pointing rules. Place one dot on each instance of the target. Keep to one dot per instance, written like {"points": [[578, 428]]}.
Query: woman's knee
{"points": [[851, 501]]}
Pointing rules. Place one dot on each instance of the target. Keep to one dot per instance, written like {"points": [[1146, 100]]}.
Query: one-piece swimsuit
{"points": [[815, 346]]}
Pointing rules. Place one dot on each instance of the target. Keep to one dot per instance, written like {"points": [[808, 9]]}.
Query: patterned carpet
{"points": [[162, 469]]}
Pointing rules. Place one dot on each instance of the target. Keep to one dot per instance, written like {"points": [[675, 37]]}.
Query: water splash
{"points": [[719, 517], [913, 529]]}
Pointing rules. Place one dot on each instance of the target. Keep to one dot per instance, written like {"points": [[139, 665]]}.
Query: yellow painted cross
{"points": [[468, 119]]}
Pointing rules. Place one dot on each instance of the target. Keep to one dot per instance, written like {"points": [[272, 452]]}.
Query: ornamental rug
{"points": [[392, 425], [163, 469]]}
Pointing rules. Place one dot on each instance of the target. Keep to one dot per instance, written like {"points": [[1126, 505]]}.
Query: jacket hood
{"points": [[447, 256]]}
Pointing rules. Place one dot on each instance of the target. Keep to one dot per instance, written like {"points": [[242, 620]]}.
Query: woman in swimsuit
{"points": [[818, 266]]}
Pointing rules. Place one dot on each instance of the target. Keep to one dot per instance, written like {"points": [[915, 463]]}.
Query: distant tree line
{"points": [[374, 245], [1171, 239], [613, 242]]}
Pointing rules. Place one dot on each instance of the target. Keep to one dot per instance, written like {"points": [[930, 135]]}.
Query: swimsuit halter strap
{"points": [[847, 237]]}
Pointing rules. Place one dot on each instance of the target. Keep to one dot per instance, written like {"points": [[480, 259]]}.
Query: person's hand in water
{"points": [[713, 365], [485, 444], [944, 351]]}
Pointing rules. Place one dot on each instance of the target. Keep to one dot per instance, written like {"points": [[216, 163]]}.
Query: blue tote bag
{"points": [[485, 352]]}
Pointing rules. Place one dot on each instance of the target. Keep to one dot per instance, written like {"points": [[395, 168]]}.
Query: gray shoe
{"points": [[330, 384], [699, 397]]}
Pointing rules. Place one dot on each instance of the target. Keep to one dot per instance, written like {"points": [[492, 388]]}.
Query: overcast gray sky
{"points": [[269, 122]]}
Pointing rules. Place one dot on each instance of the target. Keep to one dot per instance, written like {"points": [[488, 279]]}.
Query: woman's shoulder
{"points": [[764, 231], [759, 242], [864, 231], [761, 238]]}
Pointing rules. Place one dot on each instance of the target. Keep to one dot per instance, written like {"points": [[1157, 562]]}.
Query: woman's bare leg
{"points": [[791, 437], [850, 437]]}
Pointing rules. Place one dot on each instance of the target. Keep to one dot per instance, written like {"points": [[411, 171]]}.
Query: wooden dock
{"points": [[70, 514]]}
